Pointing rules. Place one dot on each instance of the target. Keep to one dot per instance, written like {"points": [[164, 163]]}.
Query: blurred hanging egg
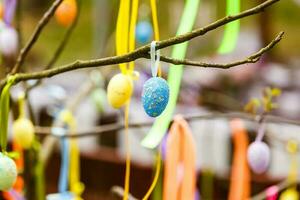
{"points": [[66, 12], [119, 90], [1, 10], [23, 131], [155, 96], [8, 172], [289, 194], [8, 41], [258, 156], [143, 32]]}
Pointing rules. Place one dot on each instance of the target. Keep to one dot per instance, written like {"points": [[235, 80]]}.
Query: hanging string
{"points": [[127, 149], [156, 176], [155, 25], [122, 31], [134, 14], [4, 106], [76, 187]]}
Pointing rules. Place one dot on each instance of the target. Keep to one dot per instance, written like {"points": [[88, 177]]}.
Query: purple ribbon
{"points": [[9, 11]]}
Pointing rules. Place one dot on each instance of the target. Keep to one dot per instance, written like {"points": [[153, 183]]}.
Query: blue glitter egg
{"points": [[155, 96], [143, 32]]}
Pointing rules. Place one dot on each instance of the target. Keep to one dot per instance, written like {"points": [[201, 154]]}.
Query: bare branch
{"points": [[61, 46], [118, 126], [250, 59], [144, 50], [42, 23]]}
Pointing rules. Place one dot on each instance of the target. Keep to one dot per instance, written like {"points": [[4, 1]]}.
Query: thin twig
{"points": [[250, 59], [41, 25], [144, 50], [98, 130], [61, 46]]}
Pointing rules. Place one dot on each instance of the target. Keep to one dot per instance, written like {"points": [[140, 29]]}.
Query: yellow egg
{"points": [[23, 131], [289, 194], [119, 90]]}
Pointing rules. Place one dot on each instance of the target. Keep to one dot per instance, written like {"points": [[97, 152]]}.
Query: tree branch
{"points": [[144, 50], [250, 59], [42, 23], [119, 126], [61, 46]]}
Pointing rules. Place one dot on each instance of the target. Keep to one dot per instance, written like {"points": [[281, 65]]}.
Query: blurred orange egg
{"points": [[1, 11], [66, 12]]}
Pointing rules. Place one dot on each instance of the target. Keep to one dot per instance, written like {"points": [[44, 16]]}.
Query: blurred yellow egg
{"points": [[119, 90], [289, 194], [23, 131]]}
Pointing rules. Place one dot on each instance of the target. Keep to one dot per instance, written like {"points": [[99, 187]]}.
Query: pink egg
{"points": [[258, 156], [8, 41]]}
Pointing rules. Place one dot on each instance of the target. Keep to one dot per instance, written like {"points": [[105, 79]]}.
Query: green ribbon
{"points": [[232, 29], [161, 124], [4, 112]]}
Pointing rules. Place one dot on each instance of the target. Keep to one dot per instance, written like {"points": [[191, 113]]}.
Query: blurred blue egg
{"points": [[155, 96], [143, 32]]}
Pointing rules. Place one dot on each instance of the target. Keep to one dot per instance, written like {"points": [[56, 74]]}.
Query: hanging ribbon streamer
{"points": [[155, 25], [4, 105], [291, 193], [156, 176], [180, 163], [8, 171], [64, 168], [231, 31], [125, 41], [161, 124], [240, 173], [76, 187]]}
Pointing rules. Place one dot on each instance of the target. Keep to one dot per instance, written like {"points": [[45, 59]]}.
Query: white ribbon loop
{"points": [[155, 58]]}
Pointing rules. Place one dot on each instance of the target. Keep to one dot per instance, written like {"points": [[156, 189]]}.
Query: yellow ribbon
{"points": [[76, 187]]}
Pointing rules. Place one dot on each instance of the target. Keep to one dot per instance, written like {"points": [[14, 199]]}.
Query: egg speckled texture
{"points": [[155, 96], [23, 131], [258, 156], [8, 172], [119, 90]]}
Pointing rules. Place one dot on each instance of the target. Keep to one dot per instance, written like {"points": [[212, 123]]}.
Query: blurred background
{"points": [[203, 91]]}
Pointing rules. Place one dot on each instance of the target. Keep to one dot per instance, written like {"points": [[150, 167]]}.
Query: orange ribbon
{"points": [[240, 173], [180, 163]]}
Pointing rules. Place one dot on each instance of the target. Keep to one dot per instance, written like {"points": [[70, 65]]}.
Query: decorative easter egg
{"points": [[119, 90], [8, 172], [155, 96], [1, 10], [66, 12], [143, 32], [258, 156], [8, 41], [23, 131], [289, 194]]}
